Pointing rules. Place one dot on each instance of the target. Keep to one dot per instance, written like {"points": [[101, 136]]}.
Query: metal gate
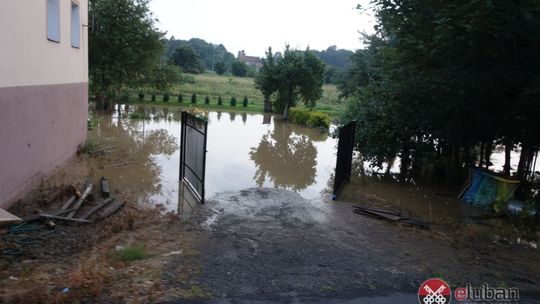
{"points": [[346, 140], [193, 154]]}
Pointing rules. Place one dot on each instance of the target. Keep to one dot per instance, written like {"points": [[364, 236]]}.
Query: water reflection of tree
{"points": [[287, 159], [135, 144]]}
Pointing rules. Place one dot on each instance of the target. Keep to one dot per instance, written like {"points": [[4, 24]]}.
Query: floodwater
{"points": [[244, 151]]}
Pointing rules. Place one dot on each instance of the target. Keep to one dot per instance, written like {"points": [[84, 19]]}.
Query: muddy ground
{"points": [[272, 245], [258, 245]]}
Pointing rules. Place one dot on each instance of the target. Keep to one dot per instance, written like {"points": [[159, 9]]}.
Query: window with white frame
{"points": [[75, 25], [53, 20]]}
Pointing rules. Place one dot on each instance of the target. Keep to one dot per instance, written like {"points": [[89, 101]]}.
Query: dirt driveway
{"points": [[258, 245], [273, 245]]}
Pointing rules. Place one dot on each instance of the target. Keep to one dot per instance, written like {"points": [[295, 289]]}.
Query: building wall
{"points": [[43, 93]]}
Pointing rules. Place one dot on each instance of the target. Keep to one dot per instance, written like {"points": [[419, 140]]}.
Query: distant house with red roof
{"points": [[250, 60]]}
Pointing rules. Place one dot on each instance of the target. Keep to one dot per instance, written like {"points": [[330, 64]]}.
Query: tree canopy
{"points": [[297, 75], [124, 44], [239, 68], [186, 58], [445, 81], [211, 55]]}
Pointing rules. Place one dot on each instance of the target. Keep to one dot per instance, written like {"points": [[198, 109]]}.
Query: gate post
{"points": [[346, 139]]}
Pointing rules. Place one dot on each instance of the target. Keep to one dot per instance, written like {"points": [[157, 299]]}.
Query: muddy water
{"points": [[244, 150], [247, 150]]}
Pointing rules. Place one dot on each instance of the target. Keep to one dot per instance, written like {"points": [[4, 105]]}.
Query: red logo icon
{"points": [[434, 291]]}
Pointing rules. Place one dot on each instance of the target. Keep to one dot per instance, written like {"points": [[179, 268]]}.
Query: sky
{"points": [[254, 25]]}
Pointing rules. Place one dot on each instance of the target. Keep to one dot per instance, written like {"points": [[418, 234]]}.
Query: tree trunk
{"points": [[286, 111], [100, 102], [405, 163], [523, 159], [507, 157], [489, 147], [481, 160]]}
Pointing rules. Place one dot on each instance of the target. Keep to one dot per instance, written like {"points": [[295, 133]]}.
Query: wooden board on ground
{"points": [[63, 218], [8, 218], [33, 217], [111, 209], [392, 216], [96, 208]]}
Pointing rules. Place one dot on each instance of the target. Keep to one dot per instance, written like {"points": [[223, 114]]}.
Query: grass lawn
{"points": [[213, 86]]}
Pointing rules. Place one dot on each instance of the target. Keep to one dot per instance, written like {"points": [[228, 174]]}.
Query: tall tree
{"points": [[298, 75], [220, 67], [186, 58], [444, 79], [239, 68], [124, 44]]}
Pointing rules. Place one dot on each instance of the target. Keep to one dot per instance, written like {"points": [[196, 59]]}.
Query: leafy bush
{"points": [[219, 100], [141, 96], [245, 102], [207, 100], [193, 98], [153, 97], [180, 98], [308, 118], [298, 116], [318, 120], [166, 97], [233, 101]]}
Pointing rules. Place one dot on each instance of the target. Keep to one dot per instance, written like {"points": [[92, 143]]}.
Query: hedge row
{"points": [[180, 99]]}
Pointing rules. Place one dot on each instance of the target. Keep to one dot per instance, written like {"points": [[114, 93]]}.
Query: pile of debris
{"points": [[79, 208]]}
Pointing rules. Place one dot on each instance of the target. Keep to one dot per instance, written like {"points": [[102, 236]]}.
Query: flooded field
{"points": [[246, 150]]}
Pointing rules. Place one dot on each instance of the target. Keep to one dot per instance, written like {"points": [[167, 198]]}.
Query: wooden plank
{"points": [[111, 209], [417, 223], [62, 218], [8, 218], [380, 215], [81, 200], [96, 208], [68, 203], [33, 217], [392, 212]]}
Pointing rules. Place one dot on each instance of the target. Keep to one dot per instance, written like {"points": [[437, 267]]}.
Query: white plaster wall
{"points": [[27, 57]]}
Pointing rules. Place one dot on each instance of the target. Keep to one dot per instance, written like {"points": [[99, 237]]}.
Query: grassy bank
{"points": [[213, 86]]}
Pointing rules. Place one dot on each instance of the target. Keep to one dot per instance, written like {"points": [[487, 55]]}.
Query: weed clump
{"points": [[130, 253]]}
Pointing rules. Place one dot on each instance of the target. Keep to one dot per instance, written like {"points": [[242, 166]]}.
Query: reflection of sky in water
{"points": [[229, 166]]}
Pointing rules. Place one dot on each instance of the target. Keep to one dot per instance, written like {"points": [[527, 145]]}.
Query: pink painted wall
{"points": [[40, 128]]}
